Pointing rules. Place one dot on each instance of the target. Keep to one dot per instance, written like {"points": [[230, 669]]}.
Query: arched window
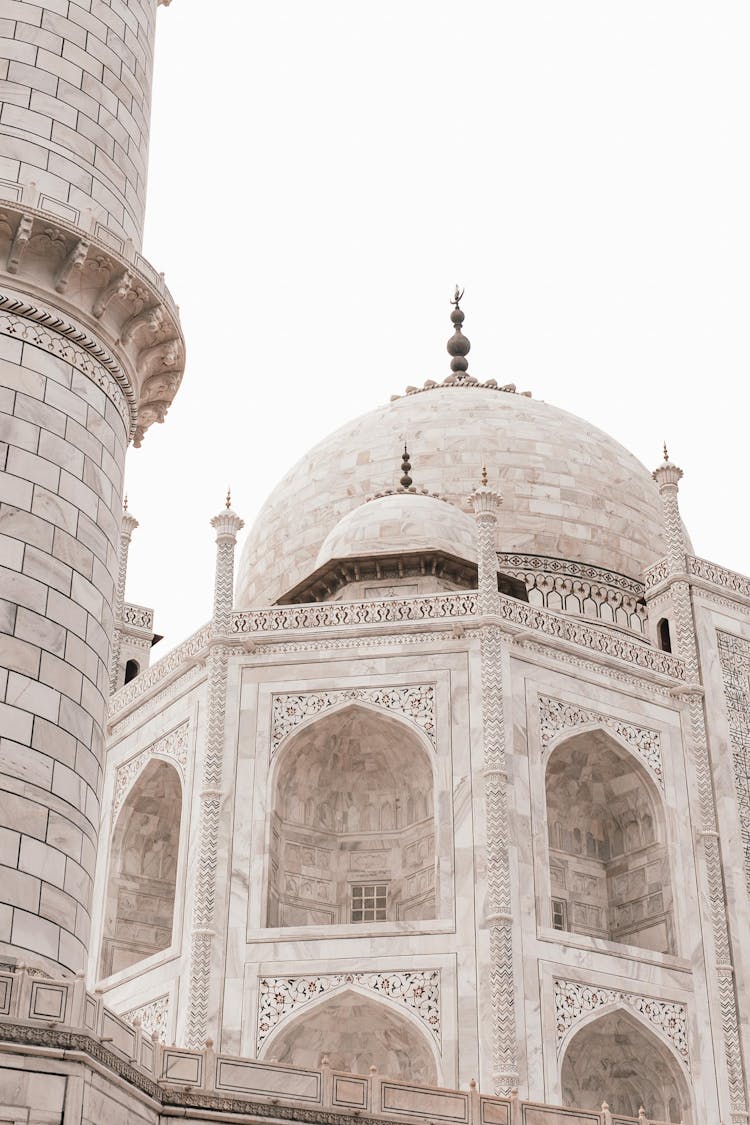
{"points": [[143, 870], [356, 1032], [665, 640], [132, 668], [618, 1060], [353, 830], [608, 861]]}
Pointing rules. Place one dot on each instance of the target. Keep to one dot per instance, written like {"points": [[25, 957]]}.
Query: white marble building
{"points": [[445, 813]]}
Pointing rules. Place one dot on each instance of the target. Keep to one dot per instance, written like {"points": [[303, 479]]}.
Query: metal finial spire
{"points": [[484, 476], [228, 501], [125, 503], [406, 481], [458, 345], [666, 455]]}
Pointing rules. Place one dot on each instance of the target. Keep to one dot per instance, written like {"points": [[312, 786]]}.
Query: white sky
{"points": [[323, 173]]}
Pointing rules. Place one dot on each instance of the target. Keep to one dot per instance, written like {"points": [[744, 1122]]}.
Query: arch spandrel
{"points": [[615, 1055], [356, 1029]]}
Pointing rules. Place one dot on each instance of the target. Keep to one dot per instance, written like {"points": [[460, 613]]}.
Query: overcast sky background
{"points": [[321, 174]]}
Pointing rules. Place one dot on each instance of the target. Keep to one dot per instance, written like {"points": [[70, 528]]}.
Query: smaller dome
{"points": [[399, 523]]}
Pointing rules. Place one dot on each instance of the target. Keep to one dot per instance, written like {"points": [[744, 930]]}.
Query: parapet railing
{"points": [[457, 609], [138, 617], [706, 572], [38, 1010]]}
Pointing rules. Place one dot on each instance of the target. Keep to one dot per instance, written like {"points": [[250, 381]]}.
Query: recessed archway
{"points": [[609, 867], [143, 870], [353, 826], [618, 1060], [355, 1032]]}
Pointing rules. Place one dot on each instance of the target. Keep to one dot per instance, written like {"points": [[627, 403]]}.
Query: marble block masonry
{"points": [[444, 815]]}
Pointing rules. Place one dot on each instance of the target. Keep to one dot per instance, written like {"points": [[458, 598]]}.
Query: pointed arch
{"points": [[615, 1055], [142, 879], [606, 829], [357, 1029], [352, 827]]}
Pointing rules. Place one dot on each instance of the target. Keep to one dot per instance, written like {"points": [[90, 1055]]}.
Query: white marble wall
{"points": [[639, 712], [75, 113]]}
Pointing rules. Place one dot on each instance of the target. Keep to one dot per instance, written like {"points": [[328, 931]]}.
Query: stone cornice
{"points": [[119, 308]]}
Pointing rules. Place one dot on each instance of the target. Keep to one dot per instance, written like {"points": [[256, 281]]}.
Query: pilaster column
{"points": [[499, 920], [127, 527], [667, 477], [204, 990]]}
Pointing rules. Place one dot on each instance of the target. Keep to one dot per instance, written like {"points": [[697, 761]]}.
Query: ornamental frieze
{"points": [[574, 1001], [416, 703], [417, 990], [557, 715]]}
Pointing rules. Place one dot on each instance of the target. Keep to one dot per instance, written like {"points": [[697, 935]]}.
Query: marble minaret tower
{"points": [[91, 353]]}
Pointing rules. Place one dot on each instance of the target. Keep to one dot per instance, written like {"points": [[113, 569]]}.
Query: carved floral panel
{"points": [[556, 715], [415, 703], [418, 990], [152, 1017], [573, 1001], [173, 745]]}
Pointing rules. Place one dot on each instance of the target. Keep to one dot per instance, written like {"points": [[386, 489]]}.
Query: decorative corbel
{"points": [[152, 319], [166, 354], [74, 260], [159, 386], [21, 238], [118, 287]]}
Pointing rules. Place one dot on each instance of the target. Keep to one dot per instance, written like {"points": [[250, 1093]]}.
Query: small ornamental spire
{"points": [[125, 503], [485, 479], [458, 345], [406, 481], [666, 455], [228, 501]]}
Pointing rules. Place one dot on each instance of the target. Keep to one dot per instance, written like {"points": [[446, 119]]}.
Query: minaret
{"points": [[204, 986], [499, 921], [91, 354]]}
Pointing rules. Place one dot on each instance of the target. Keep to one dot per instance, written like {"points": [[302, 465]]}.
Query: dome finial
{"points": [[228, 501], [406, 481], [485, 479], [666, 455], [458, 345]]}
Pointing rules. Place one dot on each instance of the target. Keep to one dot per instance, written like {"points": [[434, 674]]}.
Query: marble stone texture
{"points": [[569, 490], [75, 114]]}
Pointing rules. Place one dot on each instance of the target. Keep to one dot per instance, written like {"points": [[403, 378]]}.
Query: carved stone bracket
{"points": [[557, 715], [416, 703], [418, 990], [574, 1001], [173, 745]]}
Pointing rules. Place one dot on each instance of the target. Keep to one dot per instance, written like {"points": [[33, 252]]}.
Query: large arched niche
{"points": [[353, 824], [609, 867], [355, 1032], [142, 879], [616, 1059]]}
